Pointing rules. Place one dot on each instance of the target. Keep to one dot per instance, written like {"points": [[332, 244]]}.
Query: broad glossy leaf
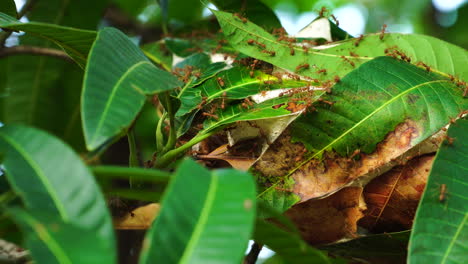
{"points": [[369, 103], [51, 240], [117, 80], [235, 83], [49, 177], [197, 60], [44, 92], [8, 7], [76, 42], [254, 10], [204, 219], [439, 55], [289, 246], [186, 47], [440, 230]]}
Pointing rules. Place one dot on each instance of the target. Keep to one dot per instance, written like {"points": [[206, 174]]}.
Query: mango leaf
{"points": [[440, 233], [235, 83], [159, 54], [339, 59], [51, 240], [117, 79], [212, 215], [198, 60], [254, 10], [76, 42], [35, 165], [187, 47], [382, 96], [9, 7], [51, 102], [289, 246]]}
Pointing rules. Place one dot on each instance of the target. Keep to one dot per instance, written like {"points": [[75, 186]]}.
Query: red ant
{"points": [[302, 66], [210, 115], [337, 79], [382, 32], [420, 63], [243, 19], [443, 193], [222, 102], [271, 53], [324, 71], [358, 40], [348, 60], [292, 52], [220, 81], [336, 20], [322, 11], [353, 54]]}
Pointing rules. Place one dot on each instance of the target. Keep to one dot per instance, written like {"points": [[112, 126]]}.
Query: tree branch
{"points": [[31, 50], [252, 257]]}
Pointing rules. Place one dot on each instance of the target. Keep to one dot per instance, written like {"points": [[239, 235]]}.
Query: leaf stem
{"points": [[133, 160], [111, 172], [159, 133], [168, 157]]}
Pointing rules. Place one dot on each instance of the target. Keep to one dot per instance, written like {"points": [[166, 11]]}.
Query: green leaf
{"points": [[372, 100], [254, 10], [159, 54], [8, 7], [441, 56], [76, 42], [198, 60], [235, 83], [37, 164], [289, 246], [369, 103], [204, 219], [117, 79], [440, 230], [52, 240]]}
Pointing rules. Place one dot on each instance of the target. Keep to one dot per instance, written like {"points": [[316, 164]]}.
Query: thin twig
{"points": [[31, 50], [252, 257]]}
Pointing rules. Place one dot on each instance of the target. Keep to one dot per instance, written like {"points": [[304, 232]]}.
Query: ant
{"points": [[337, 79], [420, 63], [322, 11], [348, 60], [203, 102], [336, 20], [353, 54], [243, 19], [358, 40], [222, 102], [271, 53], [306, 49], [355, 153], [382, 32], [450, 140], [210, 115], [324, 71], [443, 193], [325, 101], [302, 66], [292, 52], [220, 81]]}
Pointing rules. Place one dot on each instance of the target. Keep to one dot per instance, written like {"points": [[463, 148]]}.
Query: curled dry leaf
{"points": [[222, 153], [320, 178], [330, 219], [393, 197], [140, 218]]}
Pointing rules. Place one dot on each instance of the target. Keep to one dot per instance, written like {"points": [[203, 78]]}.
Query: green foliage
{"points": [[206, 211], [35, 165], [440, 228], [115, 86], [173, 92]]}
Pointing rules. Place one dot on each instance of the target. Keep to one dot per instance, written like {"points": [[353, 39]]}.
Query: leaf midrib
{"points": [[294, 47], [48, 239], [203, 218], [48, 186], [452, 242], [112, 95]]}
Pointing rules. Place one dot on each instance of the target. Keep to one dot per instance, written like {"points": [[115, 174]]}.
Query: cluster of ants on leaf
{"points": [[296, 103]]}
